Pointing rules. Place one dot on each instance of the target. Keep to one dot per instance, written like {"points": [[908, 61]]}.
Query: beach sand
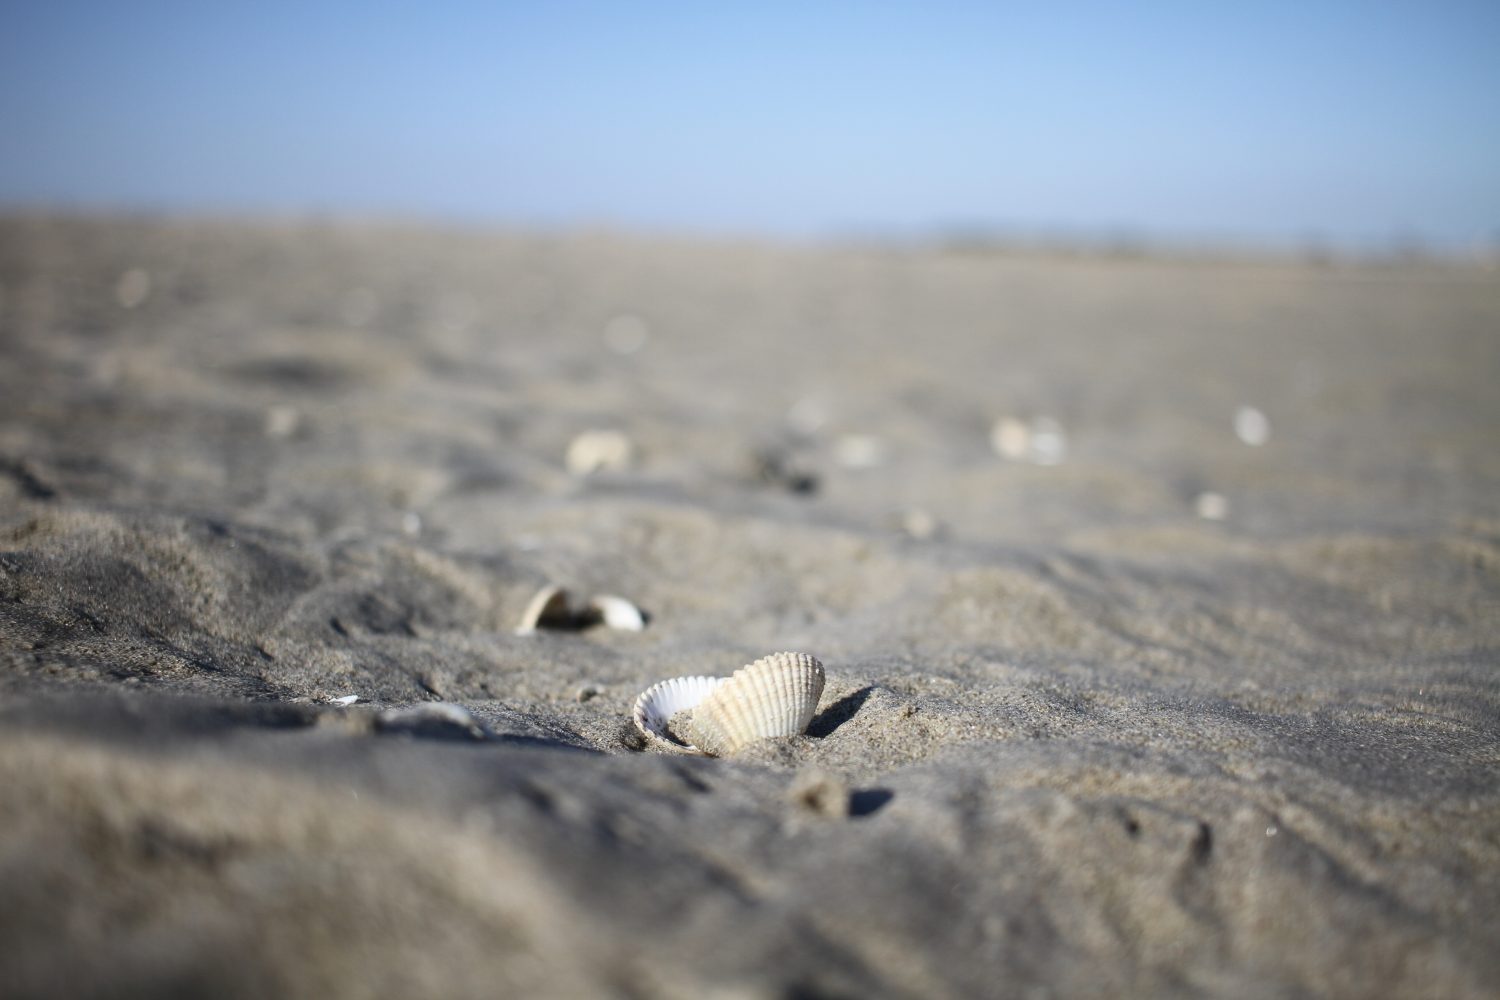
{"points": [[1159, 601]]}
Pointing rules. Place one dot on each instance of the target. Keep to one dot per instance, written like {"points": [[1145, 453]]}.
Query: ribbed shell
{"points": [[659, 702], [774, 696]]}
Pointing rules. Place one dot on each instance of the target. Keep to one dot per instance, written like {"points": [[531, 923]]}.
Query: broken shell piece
{"points": [[1252, 426], [1011, 438], [548, 609], [659, 702], [1211, 506], [807, 415], [282, 422], [919, 524], [617, 612], [599, 451], [774, 696], [1041, 441], [859, 451]]}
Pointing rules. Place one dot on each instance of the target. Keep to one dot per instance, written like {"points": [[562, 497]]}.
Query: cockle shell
{"points": [[664, 699], [774, 696]]}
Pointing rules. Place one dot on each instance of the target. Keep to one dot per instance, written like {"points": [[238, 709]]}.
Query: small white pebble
{"points": [[807, 415], [282, 422], [919, 524], [626, 333], [1270, 831], [599, 451], [1010, 438], [1041, 441], [1212, 506], [133, 288], [1049, 443], [411, 523], [345, 701], [859, 451], [1252, 426]]}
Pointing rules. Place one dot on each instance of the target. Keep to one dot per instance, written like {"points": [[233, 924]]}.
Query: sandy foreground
{"points": [[1118, 703]]}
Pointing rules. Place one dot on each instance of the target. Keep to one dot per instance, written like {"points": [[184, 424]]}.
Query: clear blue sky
{"points": [[1264, 121]]}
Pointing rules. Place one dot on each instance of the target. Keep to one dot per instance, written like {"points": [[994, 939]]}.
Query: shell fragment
{"points": [[548, 609], [599, 451], [617, 612]]}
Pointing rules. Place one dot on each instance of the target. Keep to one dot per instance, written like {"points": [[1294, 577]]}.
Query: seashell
{"points": [[282, 422], [1252, 426], [774, 696], [441, 719], [1011, 438], [659, 702], [919, 523], [1211, 506], [548, 609], [1041, 441], [859, 451], [1049, 442], [599, 451], [616, 612]]}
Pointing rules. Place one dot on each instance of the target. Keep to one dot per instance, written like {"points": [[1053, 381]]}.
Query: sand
{"points": [[1188, 689]]}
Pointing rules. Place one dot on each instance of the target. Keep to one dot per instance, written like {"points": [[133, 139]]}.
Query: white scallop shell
{"points": [[774, 696], [659, 702], [548, 607]]}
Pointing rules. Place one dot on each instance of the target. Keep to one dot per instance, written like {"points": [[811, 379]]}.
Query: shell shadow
{"points": [[840, 712], [869, 801]]}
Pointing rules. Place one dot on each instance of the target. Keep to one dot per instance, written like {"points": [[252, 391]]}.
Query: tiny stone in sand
{"points": [[1252, 426], [599, 451]]}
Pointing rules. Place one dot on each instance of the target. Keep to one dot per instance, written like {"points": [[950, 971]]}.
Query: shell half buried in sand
{"points": [[774, 696], [548, 609], [659, 702]]}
